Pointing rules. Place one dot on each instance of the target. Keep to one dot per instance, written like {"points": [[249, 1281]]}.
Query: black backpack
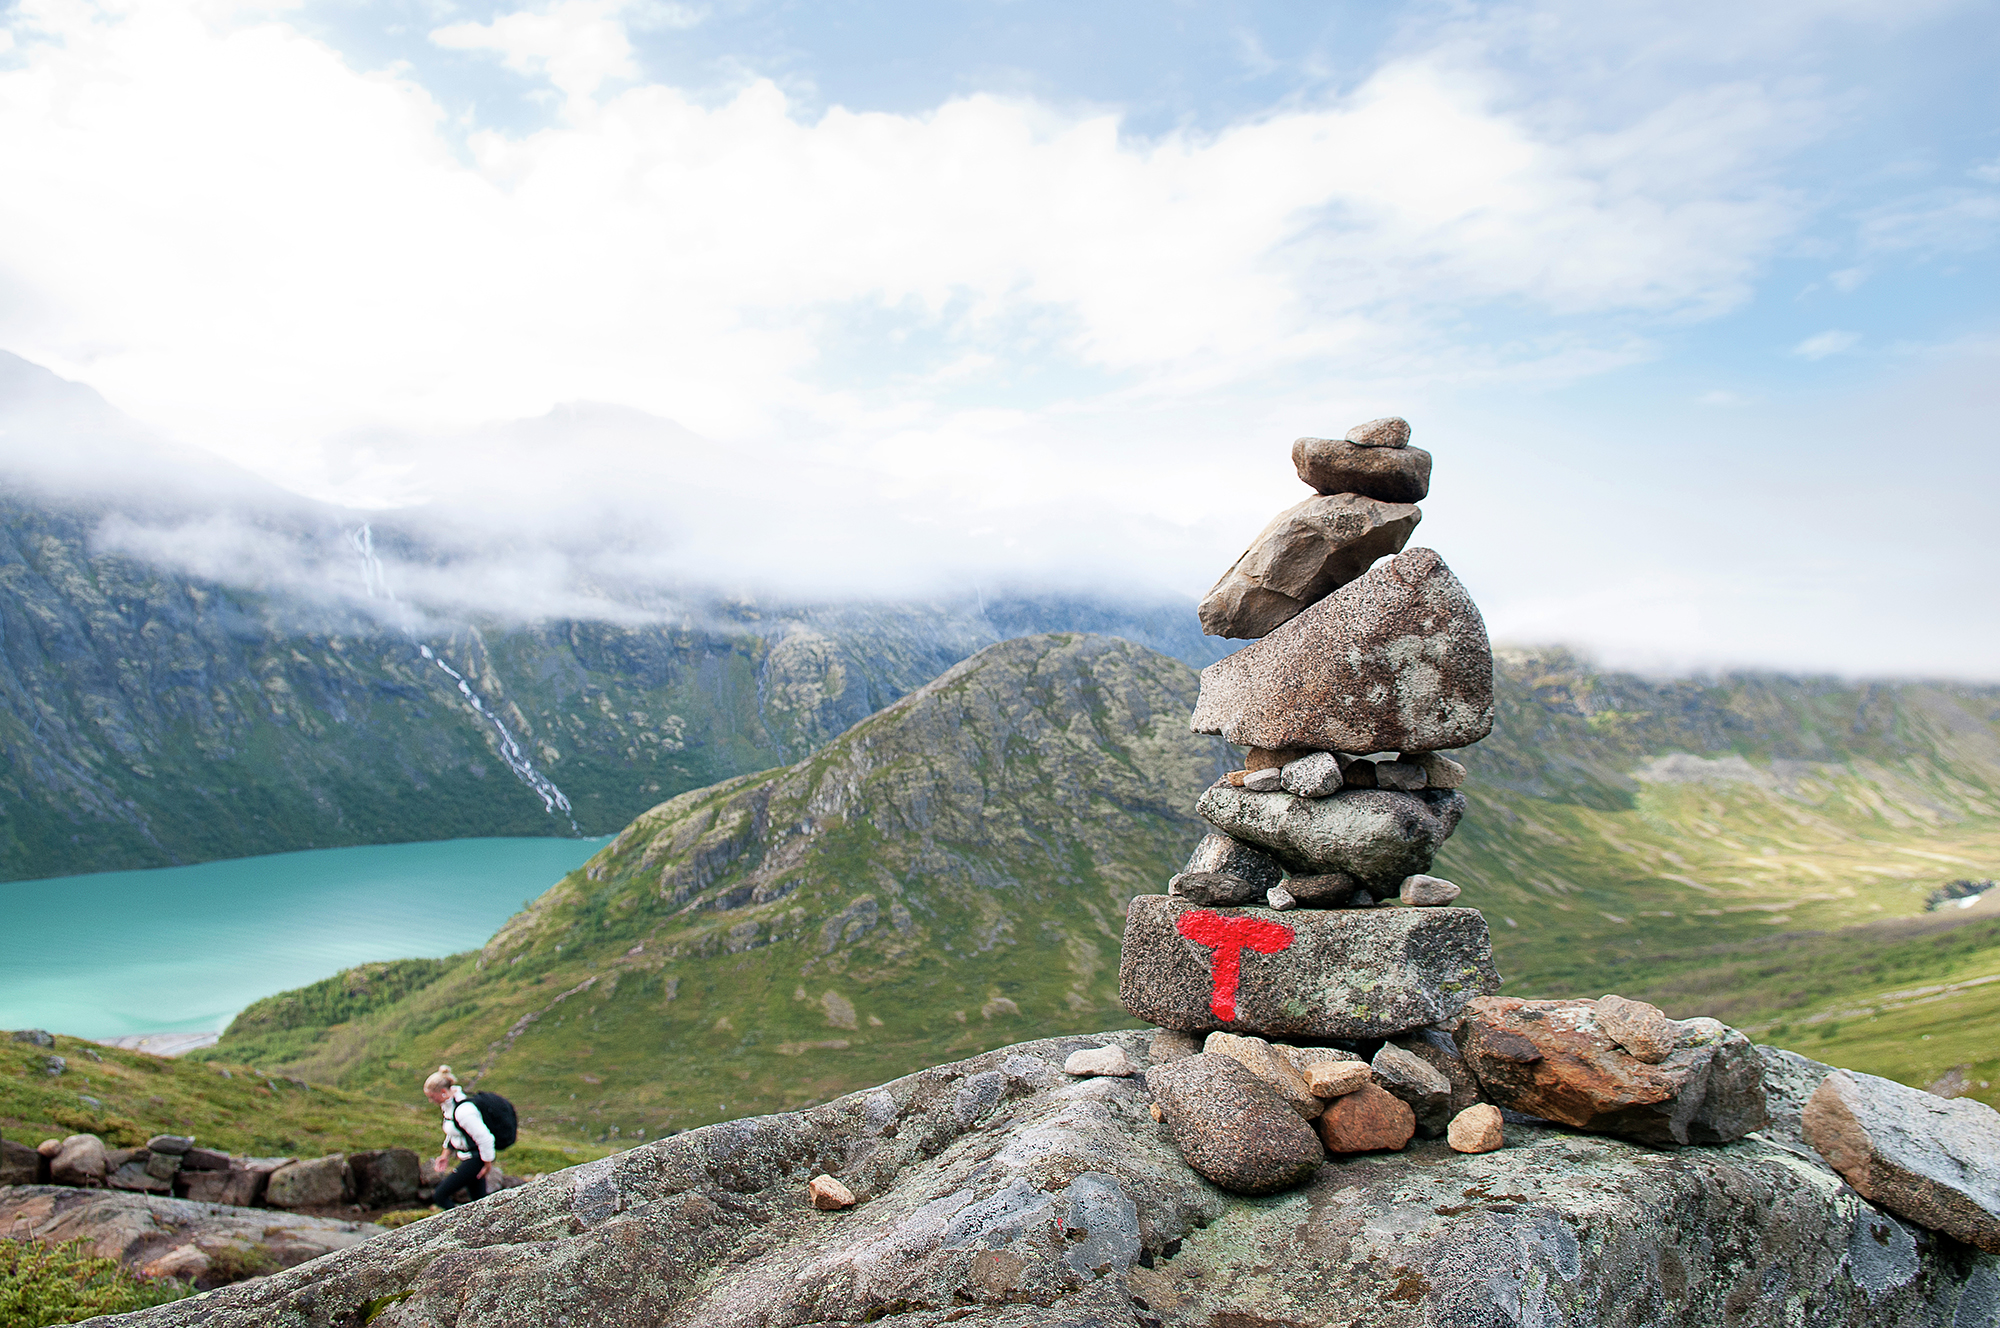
{"points": [[498, 1113]]}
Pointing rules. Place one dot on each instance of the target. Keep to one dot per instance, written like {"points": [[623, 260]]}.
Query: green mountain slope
{"points": [[954, 868], [948, 875], [149, 717]]}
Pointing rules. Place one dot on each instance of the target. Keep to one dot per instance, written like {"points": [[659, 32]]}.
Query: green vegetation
{"points": [[126, 1097], [47, 1284], [949, 876]]}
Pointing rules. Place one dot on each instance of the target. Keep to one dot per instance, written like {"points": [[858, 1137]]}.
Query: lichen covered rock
{"points": [[1001, 1192]]}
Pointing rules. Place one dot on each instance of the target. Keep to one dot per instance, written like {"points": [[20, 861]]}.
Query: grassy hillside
{"points": [[126, 1097], [949, 876]]}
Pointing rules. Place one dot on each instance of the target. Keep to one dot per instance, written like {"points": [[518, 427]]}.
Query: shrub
{"points": [[66, 1283], [402, 1217]]}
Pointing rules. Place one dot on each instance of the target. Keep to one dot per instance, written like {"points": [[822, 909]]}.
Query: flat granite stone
{"points": [[1069, 1205], [1378, 837], [1305, 554], [1930, 1159], [1389, 474], [1312, 974], [1396, 661]]}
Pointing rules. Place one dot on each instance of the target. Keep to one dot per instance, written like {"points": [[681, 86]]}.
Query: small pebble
{"points": [[1107, 1061], [1428, 891], [1268, 780], [1337, 1078], [829, 1194], [1477, 1129], [1280, 898]]}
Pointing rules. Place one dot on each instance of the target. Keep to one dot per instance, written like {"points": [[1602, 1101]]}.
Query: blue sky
{"points": [[1694, 303]]}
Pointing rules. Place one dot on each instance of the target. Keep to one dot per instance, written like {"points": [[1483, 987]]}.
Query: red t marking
{"points": [[1227, 937]]}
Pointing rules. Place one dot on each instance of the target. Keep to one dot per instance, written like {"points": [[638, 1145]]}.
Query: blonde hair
{"points": [[442, 1080]]}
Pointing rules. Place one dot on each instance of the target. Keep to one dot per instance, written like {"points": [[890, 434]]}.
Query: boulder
{"points": [[1100, 1061], [1643, 1030], [1933, 1160], [138, 1178], [1387, 474], [1304, 555], [1232, 1127], [81, 1162], [1314, 776], [35, 1037], [1377, 837], [1072, 1206], [21, 1165], [1389, 431], [1551, 1059], [384, 1177], [1427, 892], [204, 1159], [1478, 1129], [1407, 1076], [1219, 855], [1272, 1066], [314, 1183], [1315, 974], [240, 1189], [142, 1230], [1368, 1120], [1395, 661]]}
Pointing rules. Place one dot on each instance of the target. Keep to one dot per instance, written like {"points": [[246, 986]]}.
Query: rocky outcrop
{"points": [[206, 1243], [1000, 1191], [1554, 1059], [1932, 1160]]}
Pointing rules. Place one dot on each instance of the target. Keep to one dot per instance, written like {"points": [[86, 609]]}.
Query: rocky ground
{"points": [[1000, 1190]]}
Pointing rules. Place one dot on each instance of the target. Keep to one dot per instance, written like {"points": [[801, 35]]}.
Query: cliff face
{"points": [[149, 717]]}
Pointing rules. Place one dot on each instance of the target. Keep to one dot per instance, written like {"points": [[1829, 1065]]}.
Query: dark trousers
{"points": [[465, 1176]]}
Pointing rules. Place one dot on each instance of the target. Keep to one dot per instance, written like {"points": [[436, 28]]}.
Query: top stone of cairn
{"points": [[1389, 431]]}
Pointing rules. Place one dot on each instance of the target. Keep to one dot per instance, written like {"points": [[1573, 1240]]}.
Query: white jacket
{"points": [[465, 1132]]}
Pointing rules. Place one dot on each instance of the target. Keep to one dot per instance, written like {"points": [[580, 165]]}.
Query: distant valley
{"points": [[948, 876]]}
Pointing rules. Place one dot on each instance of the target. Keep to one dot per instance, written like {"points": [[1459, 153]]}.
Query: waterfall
{"points": [[375, 582], [510, 751]]}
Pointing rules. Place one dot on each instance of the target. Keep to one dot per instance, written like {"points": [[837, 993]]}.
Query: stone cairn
{"points": [[1318, 992]]}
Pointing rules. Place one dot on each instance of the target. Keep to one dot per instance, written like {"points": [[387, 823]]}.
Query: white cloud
{"points": [[240, 237], [579, 45], [1829, 342]]}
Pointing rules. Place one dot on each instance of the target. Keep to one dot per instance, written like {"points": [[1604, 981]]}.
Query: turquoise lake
{"points": [[184, 948]]}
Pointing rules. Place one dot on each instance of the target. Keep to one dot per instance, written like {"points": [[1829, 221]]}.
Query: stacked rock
{"points": [[1300, 1015], [1371, 662]]}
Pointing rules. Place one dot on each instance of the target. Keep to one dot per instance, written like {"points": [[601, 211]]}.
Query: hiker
{"points": [[465, 1133]]}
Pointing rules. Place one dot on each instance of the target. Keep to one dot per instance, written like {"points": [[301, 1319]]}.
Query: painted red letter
{"points": [[1228, 937]]}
